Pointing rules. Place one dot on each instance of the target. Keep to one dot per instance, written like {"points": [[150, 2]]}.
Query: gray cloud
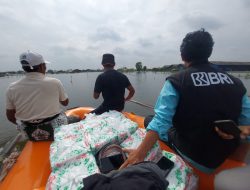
{"points": [[103, 34], [246, 3], [198, 20], [145, 42], [75, 34], [120, 51], [70, 58]]}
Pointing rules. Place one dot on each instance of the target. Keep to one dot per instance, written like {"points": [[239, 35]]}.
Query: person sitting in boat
{"points": [[189, 103], [112, 85], [33, 102]]}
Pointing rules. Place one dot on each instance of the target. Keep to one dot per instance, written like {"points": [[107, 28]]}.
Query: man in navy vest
{"points": [[189, 103]]}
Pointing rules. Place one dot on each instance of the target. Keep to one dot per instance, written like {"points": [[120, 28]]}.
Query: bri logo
{"points": [[210, 78]]}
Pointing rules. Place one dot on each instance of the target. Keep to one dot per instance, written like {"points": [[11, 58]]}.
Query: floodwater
{"points": [[79, 88]]}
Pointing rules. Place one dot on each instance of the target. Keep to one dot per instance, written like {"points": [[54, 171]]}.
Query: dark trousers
{"points": [[147, 120]]}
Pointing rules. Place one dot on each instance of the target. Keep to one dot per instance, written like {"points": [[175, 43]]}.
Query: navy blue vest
{"points": [[206, 94]]}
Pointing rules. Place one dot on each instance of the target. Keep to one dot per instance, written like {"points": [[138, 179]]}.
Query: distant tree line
{"points": [[138, 68], [73, 71], [166, 68], [50, 71]]}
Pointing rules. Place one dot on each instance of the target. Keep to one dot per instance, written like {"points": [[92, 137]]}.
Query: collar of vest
{"points": [[199, 62]]}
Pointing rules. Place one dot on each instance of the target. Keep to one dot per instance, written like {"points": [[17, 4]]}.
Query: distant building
{"points": [[232, 66]]}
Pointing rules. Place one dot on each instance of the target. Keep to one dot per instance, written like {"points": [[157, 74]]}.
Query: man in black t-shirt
{"points": [[112, 85]]}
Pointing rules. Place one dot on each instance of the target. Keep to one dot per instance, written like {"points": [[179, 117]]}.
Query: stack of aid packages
{"points": [[72, 154]]}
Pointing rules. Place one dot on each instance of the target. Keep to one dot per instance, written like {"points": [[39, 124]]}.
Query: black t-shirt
{"points": [[112, 85]]}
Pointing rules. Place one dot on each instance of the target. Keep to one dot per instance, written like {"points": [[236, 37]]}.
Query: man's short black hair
{"points": [[197, 45], [28, 69]]}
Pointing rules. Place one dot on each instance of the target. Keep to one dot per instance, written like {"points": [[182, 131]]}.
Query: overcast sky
{"points": [[74, 34]]}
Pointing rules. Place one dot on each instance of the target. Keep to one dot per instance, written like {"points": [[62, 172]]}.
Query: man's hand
{"points": [[134, 156], [245, 131], [131, 92], [223, 135], [65, 102], [11, 115], [138, 155], [96, 95]]}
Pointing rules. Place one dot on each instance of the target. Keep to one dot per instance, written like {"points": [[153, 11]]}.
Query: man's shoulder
{"points": [[52, 82], [236, 79], [112, 74], [51, 79], [119, 73], [102, 74], [15, 83], [120, 76], [109, 73], [177, 74]]}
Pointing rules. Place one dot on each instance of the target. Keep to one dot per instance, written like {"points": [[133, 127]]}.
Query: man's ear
{"points": [[182, 57], [42, 68]]}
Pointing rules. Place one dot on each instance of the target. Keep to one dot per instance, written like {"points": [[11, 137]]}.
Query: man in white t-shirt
{"points": [[34, 102]]}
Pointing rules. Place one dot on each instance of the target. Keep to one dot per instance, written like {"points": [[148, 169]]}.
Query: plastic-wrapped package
{"points": [[70, 175], [75, 143], [110, 127], [133, 141], [181, 177], [69, 144], [89, 135], [72, 152]]}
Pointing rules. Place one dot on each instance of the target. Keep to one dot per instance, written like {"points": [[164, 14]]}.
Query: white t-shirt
{"points": [[35, 97]]}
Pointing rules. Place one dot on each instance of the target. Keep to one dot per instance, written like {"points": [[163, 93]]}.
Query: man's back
{"points": [[33, 103], [35, 97], [112, 85]]}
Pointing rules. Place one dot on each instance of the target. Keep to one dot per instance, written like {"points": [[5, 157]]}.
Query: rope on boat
{"points": [[141, 104]]}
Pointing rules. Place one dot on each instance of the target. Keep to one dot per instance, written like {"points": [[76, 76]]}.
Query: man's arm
{"points": [[65, 102], [10, 113], [157, 129], [131, 92], [244, 118], [98, 87], [140, 153], [63, 97]]}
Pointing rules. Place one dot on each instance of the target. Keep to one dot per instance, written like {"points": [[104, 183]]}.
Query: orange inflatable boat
{"points": [[32, 168]]}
